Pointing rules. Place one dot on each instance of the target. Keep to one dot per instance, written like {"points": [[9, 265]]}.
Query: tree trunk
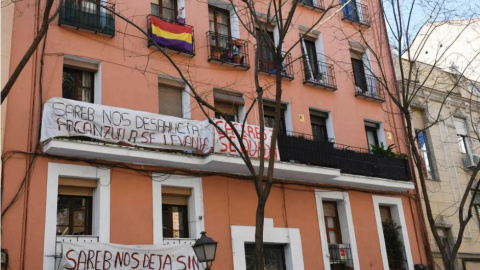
{"points": [[259, 221]]}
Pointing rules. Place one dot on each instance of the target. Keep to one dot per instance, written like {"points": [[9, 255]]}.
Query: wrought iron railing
{"points": [[356, 12], [368, 86], [322, 73], [304, 149], [266, 63], [172, 47], [226, 49], [314, 4], [71, 239], [88, 15], [340, 256]]}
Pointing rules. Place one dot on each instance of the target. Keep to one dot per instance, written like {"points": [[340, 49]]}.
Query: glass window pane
{"points": [[155, 10], [333, 237], [168, 4], [330, 222], [168, 14]]}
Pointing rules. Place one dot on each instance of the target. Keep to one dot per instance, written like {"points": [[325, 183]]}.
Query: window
{"points": [[310, 60], [228, 104], [424, 146], [165, 9], [266, 62], [74, 206], [462, 136], [476, 205], [371, 129], [170, 99], [269, 116], [274, 255], [318, 121], [332, 224], [359, 72], [175, 212], [444, 234], [350, 11], [385, 214], [219, 20], [78, 84]]}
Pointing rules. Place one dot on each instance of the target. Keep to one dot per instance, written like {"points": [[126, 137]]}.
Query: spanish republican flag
{"points": [[172, 36]]}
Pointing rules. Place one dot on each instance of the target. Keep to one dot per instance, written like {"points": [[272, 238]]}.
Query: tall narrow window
{"points": [[219, 23], [444, 234], [74, 206], [78, 84], [462, 135], [274, 255], [269, 116], [310, 61], [476, 205], [165, 9], [350, 11], [266, 62], [424, 146], [393, 243], [227, 103], [318, 121], [359, 73], [332, 224], [175, 212], [371, 129], [170, 98]]}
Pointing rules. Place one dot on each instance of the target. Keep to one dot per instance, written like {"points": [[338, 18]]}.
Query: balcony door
{"points": [[219, 24], [266, 62], [359, 75], [350, 11], [310, 61], [165, 9]]}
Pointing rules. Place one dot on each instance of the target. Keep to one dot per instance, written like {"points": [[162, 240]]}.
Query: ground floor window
{"points": [[274, 256], [175, 212], [74, 215]]}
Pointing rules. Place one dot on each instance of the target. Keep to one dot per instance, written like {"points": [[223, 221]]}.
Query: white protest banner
{"points": [[251, 139], [70, 118], [104, 256]]}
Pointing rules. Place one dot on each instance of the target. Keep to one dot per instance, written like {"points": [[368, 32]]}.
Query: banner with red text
{"points": [[70, 118], [103, 256], [251, 139]]}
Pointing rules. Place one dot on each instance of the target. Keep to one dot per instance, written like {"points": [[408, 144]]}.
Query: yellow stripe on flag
{"points": [[168, 35]]}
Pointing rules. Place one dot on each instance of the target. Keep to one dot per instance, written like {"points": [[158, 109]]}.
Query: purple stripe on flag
{"points": [[173, 44]]}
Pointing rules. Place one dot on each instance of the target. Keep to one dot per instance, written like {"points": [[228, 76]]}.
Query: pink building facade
{"points": [[326, 211]]}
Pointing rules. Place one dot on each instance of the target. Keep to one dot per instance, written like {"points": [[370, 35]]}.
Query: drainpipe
{"points": [[421, 218]]}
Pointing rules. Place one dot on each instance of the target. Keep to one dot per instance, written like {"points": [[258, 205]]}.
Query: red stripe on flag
{"points": [[170, 27]]}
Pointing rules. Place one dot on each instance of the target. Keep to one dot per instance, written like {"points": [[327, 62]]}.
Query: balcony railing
{"points": [[224, 49], [350, 160], [266, 63], [313, 4], [369, 87], [357, 13], [178, 241], [71, 239], [340, 256], [171, 44], [322, 74], [88, 15]]}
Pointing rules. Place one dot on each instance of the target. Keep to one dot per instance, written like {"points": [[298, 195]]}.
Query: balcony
{"points": [[340, 256], [184, 45], [356, 13], [312, 4], [71, 239], [369, 87], [301, 148], [322, 75], [266, 64], [227, 50], [88, 15]]}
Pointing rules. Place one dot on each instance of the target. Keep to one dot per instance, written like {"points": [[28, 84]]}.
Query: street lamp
{"points": [[205, 249]]}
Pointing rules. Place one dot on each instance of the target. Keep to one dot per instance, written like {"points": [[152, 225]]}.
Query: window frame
{"points": [[77, 77], [226, 12], [88, 214], [161, 7], [336, 224], [312, 54], [195, 204], [167, 210], [269, 116], [267, 246], [359, 74], [427, 155]]}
